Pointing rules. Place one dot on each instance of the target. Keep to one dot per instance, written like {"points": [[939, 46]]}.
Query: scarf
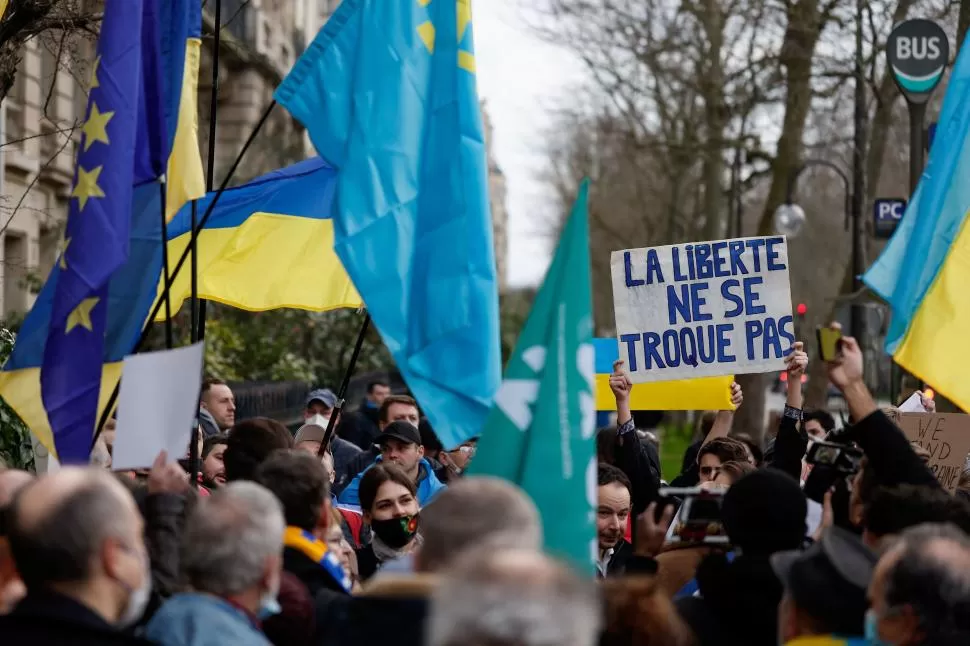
{"points": [[318, 552], [384, 553]]}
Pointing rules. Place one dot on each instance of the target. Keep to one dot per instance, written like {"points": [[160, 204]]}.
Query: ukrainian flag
{"points": [[709, 393], [267, 245], [168, 27], [924, 270]]}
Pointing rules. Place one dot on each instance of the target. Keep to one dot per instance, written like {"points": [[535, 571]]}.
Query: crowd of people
{"points": [[378, 537]]}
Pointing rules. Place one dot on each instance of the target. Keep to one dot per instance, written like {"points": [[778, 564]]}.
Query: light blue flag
{"points": [[387, 92], [914, 256]]}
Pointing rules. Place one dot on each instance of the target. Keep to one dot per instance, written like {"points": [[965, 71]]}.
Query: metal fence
{"points": [[282, 401]]}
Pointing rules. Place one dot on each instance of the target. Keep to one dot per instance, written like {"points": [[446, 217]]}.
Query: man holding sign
{"points": [[703, 309]]}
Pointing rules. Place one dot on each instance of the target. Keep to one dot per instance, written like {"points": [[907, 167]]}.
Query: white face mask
{"points": [[138, 598]]}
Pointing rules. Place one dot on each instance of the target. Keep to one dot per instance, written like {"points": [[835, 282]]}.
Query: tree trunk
{"points": [[887, 94], [715, 115], [963, 23], [797, 51]]}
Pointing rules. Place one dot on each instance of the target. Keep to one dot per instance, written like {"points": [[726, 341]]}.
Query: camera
{"points": [[830, 461], [698, 520]]}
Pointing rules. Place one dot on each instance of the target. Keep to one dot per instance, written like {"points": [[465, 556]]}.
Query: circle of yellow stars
{"points": [[426, 32], [94, 130]]}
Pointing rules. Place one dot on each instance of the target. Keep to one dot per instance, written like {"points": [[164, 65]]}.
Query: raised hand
{"points": [[737, 397], [797, 361], [620, 383]]}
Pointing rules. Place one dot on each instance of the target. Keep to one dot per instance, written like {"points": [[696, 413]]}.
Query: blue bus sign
{"points": [[887, 212]]}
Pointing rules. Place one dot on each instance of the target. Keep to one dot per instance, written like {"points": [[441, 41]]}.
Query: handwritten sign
{"points": [[947, 438], [703, 309]]}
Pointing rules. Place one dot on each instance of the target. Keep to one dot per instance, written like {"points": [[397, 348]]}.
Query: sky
{"points": [[521, 78]]}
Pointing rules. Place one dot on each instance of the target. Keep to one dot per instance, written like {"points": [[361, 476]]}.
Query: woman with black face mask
{"points": [[389, 503]]}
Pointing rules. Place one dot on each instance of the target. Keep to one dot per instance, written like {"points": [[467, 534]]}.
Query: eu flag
{"points": [[113, 156], [387, 92]]}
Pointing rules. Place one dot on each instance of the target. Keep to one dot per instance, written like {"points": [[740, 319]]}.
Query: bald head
{"points": [[475, 511], [59, 522], [12, 481], [519, 597]]}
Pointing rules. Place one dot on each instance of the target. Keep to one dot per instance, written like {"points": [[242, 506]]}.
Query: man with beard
{"points": [[213, 467], [612, 512]]}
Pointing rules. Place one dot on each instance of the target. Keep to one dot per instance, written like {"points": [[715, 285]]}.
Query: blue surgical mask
{"points": [[872, 629], [269, 605]]}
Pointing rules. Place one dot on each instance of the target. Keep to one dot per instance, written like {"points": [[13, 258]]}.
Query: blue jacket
{"points": [[428, 487], [192, 619]]}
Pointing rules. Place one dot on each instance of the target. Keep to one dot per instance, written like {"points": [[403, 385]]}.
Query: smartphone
{"points": [[828, 343]]}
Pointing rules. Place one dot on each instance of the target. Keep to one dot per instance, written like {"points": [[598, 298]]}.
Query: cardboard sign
{"points": [[704, 309], [946, 436]]}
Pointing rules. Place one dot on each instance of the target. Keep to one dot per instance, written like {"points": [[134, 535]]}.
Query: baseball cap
{"points": [[322, 395], [830, 578], [312, 430], [402, 431]]}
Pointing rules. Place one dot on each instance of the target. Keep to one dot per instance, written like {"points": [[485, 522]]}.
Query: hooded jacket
{"points": [[428, 486]]}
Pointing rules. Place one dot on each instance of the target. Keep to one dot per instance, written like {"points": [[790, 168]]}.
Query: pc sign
{"points": [[918, 51]]}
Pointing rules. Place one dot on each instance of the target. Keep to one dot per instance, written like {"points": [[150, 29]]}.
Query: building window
{"points": [[48, 77], [14, 275], [14, 122]]}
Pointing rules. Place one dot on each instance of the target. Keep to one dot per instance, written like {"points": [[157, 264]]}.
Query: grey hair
{"points": [[513, 598], [476, 510], [228, 537], [932, 577], [60, 545]]}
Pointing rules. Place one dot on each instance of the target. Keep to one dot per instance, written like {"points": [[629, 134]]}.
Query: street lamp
{"points": [[789, 218]]}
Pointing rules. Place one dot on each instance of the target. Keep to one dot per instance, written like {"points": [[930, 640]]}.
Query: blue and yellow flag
{"points": [[924, 269], [267, 244], [708, 393], [387, 92], [126, 298]]}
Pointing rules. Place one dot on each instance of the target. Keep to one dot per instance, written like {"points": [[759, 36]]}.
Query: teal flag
{"points": [[539, 432]]}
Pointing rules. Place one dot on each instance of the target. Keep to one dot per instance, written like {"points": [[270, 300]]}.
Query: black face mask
{"points": [[396, 532]]}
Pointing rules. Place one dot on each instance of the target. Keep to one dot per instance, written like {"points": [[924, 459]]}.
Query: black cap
{"points": [[402, 431], [829, 579]]}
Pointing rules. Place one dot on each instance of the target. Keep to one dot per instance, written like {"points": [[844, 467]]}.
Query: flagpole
{"points": [[344, 385], [170, 279], [169, 338], [198, 305], [211, 167]]}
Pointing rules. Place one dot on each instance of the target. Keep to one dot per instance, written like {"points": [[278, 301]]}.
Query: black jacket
{"points": [[789, 448], [47, 618], [367, 562], [330, 600], [640, 462], [360, 427], [890, 455], [617, 565], [738, 603]]}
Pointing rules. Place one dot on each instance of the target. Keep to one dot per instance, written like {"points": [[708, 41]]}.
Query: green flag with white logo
{"points": [[539, 433]]}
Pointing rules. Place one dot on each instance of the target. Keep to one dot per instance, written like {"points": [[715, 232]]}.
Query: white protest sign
{"points": [[157, 404], [703, 309]]}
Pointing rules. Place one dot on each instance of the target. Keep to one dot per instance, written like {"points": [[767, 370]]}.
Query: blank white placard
{"points": [[157, 405]]}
